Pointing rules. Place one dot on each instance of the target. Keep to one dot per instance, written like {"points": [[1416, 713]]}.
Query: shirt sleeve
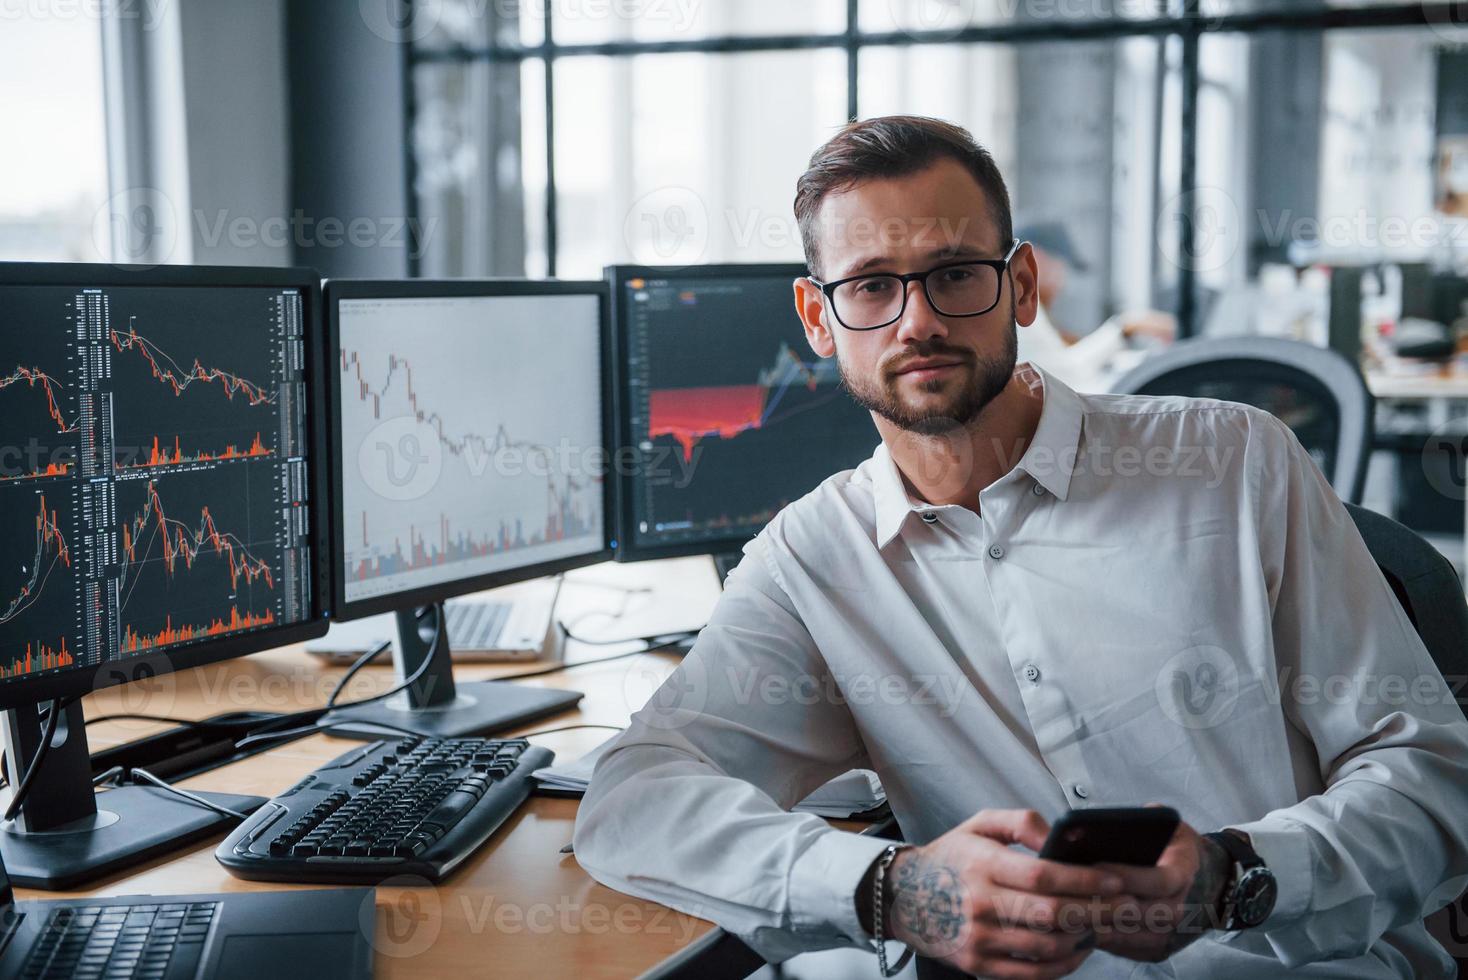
{"points": [[690, 806], [1376, 848]]}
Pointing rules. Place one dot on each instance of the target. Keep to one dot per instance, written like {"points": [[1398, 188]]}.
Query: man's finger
{"points": [[1158, 881], [1008, 968], [1039, 947], [1040, 877], [1042, 913], [1010, 827]]}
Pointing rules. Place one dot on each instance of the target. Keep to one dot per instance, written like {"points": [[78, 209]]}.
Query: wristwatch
{"points": [[1249, 895]]}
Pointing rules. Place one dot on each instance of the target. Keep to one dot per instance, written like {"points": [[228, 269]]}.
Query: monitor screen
{"points": [[473, 436], [155, 474], [731, 413]]}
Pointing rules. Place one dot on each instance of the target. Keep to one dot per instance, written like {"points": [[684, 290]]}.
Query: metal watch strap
{"points": [[879, 932]]}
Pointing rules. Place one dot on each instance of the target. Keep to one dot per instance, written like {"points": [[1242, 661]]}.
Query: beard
{"points": [[987, 377]]}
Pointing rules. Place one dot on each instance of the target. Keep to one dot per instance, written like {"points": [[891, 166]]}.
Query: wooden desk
{"points": [[518, 907]]}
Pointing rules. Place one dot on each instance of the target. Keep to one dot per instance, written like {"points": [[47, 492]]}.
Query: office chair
{"points": [[1317, 392], [1427, 586]]}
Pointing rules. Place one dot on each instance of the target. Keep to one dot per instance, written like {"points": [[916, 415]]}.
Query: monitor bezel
{"points": [[628, 548], [337, 290], [20, 692]]}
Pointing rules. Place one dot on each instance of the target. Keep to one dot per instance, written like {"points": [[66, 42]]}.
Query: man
{"points": [[1028, 601]]}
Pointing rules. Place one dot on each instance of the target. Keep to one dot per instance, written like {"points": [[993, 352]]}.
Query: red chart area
{"points": [[691, 414]]}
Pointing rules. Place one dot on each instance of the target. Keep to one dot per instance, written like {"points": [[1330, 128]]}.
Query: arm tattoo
{"points": [[927, 901], [1201, 906]]}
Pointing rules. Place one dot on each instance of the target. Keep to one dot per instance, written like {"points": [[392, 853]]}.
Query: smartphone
{"points": [[1111, 835]]}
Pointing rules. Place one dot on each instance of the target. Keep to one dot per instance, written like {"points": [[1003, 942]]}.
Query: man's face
{"points": [[926, 372]]}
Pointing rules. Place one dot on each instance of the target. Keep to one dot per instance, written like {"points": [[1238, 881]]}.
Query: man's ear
{"points": [[810, 306], [1026, 276]]}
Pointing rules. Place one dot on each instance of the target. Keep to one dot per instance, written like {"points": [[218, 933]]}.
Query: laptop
{"points": [[285, 935], [518, 625]]}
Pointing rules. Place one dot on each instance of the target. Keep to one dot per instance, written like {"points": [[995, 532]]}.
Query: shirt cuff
{"points": [[1284, 847], [823, 884]]}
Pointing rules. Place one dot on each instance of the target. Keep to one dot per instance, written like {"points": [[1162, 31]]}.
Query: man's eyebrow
{"points": [[936, 255]]}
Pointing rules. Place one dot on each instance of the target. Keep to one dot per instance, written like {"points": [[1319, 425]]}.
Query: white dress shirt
{"points": [[1163, 602]]}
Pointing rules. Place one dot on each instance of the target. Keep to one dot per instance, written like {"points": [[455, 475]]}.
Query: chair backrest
{"points": [[1427, 586], [1317, 392]]}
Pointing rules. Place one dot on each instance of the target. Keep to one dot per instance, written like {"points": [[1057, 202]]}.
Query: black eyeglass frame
{"points": [[828, 289]]}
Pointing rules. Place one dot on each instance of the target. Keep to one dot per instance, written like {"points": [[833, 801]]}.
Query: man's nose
{"points": [[919, 322]]}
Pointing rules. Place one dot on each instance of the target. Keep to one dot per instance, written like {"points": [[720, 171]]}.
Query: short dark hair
{"points": [[893, 146]]}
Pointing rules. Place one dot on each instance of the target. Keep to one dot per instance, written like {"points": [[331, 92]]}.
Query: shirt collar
{"points": [[1049, 459]]}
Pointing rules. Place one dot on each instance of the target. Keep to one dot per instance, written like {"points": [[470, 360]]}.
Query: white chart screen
{"points": [[472, 437]]}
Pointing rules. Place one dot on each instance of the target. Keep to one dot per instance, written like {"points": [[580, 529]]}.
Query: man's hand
{"points": [[1176, 899], [970, 900], [1149, 324]]}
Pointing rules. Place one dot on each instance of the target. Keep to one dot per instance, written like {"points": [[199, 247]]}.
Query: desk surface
{"points": [[518, 905], [1453, 384]]}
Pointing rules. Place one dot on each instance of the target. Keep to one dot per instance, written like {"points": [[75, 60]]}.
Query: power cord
{"points": [[129, 716], [568, 728], [48, 732], [662, 643], [355, 726], [137, 772]]}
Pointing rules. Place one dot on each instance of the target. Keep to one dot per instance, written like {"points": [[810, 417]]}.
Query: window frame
{"points": [[1189, 25]]}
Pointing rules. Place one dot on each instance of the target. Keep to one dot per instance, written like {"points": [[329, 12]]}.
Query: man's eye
{"points": [[873, 287], [958, 275]]}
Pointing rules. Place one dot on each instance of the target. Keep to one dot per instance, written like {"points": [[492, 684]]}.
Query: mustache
{"points": [[899, 362]]}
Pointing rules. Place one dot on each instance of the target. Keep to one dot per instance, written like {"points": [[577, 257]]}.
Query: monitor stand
{"points": [[67, 834], [438, 707]]}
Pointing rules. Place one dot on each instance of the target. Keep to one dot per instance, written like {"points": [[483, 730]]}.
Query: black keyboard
{"points": [[139, 942], [415, 806]]}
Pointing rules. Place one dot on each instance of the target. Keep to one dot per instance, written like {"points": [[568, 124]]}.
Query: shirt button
{"points": [[1080, 791], [1037, 490], [929, 517], [1032, 673], [996, 552]]}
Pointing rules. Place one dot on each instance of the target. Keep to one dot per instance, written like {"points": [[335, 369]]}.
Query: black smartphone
{"points": [[1111, 835]]}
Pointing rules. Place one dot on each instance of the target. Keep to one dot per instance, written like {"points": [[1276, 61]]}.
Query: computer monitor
{"points": [[723, 407], [470, 443], [163, 505]]}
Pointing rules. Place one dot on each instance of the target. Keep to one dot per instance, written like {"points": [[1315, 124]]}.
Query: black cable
{"points": [[413, 678], [357, 665], [272, 728], [148, 777], [567, 728], [649, 638], [185, 794], [356, 726], [679, 638], [47, 734], [129, 716]]}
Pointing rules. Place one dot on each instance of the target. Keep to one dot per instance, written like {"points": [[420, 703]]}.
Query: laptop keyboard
{"points": [[477, 625], [110, 942]]}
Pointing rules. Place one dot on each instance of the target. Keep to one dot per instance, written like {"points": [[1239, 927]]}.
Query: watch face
{"points": [[1254, 897]]}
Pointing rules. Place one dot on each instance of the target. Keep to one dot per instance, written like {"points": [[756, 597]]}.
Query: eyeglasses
{"points": [[968, 288]]}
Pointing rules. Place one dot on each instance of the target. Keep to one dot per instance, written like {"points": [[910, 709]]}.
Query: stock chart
{"points": [[152, 472], [471, 436], [734, 416]]}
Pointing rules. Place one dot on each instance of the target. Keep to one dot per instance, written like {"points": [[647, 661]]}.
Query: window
{"points": [[53, 173], [664, 131]]}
